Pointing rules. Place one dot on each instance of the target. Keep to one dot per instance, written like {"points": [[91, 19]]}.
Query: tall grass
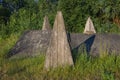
{"points": [[32, 68]]}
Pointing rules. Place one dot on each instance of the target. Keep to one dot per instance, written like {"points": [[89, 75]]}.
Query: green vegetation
{"points": [[106, 18], [105, 15], [105, 67]]}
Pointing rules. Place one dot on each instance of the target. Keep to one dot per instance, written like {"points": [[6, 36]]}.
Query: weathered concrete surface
{"points": [[58, 52], [31, 43], [96, 44], [46, 24], [89, 27], [106, 43]]}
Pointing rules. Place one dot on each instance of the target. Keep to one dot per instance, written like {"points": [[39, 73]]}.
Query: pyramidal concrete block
{"points": [[58, 52], [89, 27], [46, 25]]}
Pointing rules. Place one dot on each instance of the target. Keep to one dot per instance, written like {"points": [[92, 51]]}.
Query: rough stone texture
{"points": [[31, 43], [46, 25], [95, 44], [58, 52], [103, 43], [89, 27]]}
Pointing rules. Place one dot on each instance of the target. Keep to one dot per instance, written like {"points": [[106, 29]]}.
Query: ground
{"points": [[105, 67]]}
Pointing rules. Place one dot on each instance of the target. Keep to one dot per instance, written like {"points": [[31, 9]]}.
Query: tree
{"points": [[4, 15], [102, 12]]}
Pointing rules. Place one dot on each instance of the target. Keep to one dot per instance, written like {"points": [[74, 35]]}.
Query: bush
{"points": [[102, 13]]}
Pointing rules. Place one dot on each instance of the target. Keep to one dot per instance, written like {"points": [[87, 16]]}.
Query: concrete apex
{"points": [[46, 25], [58, 52], [89, 27]]}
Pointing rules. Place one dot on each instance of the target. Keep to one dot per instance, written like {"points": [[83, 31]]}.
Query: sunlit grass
{"points": [[85, 68]]}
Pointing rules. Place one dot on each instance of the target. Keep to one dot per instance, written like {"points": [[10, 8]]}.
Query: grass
{"points": [[32, 68]]}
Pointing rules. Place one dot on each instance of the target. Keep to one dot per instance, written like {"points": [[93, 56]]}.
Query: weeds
{"points": [[32, 68]]}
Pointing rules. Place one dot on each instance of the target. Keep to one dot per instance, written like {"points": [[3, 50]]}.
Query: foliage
{"points": [[102, 13], [105, 15], [15, 4], [32, 68], [4, 15], [29, 17]]}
